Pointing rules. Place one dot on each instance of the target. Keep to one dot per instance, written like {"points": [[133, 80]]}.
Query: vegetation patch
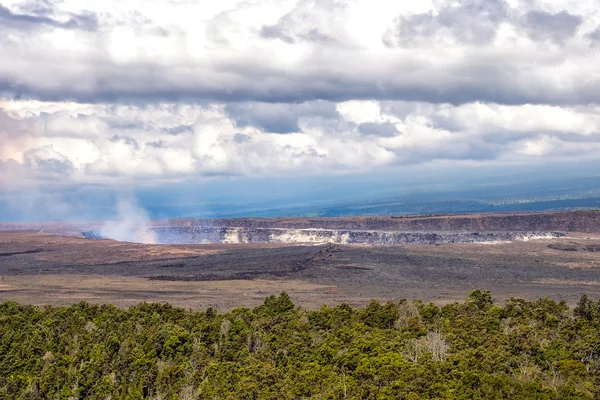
{"points": [[405, 350]]}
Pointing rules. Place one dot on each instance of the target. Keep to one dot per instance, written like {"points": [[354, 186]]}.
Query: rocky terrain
{"points": [[237, 262], [562, 221], [393, 230], [42, 268], [208, 234]]}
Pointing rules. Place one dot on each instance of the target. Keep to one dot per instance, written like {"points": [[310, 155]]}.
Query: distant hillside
{"points": [[566, 221], [426, 206]]}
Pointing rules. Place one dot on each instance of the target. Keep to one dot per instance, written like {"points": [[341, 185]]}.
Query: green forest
{"points": [[475, 349]]}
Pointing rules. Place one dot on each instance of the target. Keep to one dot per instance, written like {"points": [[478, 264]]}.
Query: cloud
{"points": [[134, 144], [558, 27], [47, 161], [279, 117], [151, 93], [472, 22], [178, 130], [379, 129], [40, 17], [299, 51], [309, 21], [241, 138], [40, 7], [594, 36], [159, 144], [126, 140], [478, 23]]}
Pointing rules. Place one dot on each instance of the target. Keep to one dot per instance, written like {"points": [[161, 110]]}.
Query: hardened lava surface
{"points": [[47, 268]]}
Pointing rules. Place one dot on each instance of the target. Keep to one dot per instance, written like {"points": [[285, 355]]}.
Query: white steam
{"points": [[130, 225]]}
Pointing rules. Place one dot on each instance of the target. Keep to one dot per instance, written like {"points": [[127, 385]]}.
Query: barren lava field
{"points": [[41, 268]]}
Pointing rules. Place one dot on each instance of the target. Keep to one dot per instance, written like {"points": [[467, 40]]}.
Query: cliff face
{"points": [[564, 221], [205, 235], [428, 229]]}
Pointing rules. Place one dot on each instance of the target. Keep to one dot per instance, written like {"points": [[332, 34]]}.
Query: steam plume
{"points": [[130, 224]]}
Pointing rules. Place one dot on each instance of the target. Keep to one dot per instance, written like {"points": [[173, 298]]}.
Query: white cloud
{"points": [[107, 143], [492, 51], [168, 90]]}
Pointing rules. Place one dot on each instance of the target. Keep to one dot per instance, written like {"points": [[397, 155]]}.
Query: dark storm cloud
{"points": [[485, 80], [278, 118], [471, 21], [378, 129], [40, 17], [558, 28]]}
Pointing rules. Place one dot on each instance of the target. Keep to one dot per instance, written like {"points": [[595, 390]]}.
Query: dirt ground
{"points": [[41, 268]]}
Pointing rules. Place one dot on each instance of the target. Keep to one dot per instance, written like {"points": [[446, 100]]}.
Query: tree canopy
{"points": [[406, 350]]}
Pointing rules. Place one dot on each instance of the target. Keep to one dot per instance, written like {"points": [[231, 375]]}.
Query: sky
{"points": [[281, 102]]}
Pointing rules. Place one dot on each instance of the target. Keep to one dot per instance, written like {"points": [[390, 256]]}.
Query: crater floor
{"points": [[44, 268]]}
